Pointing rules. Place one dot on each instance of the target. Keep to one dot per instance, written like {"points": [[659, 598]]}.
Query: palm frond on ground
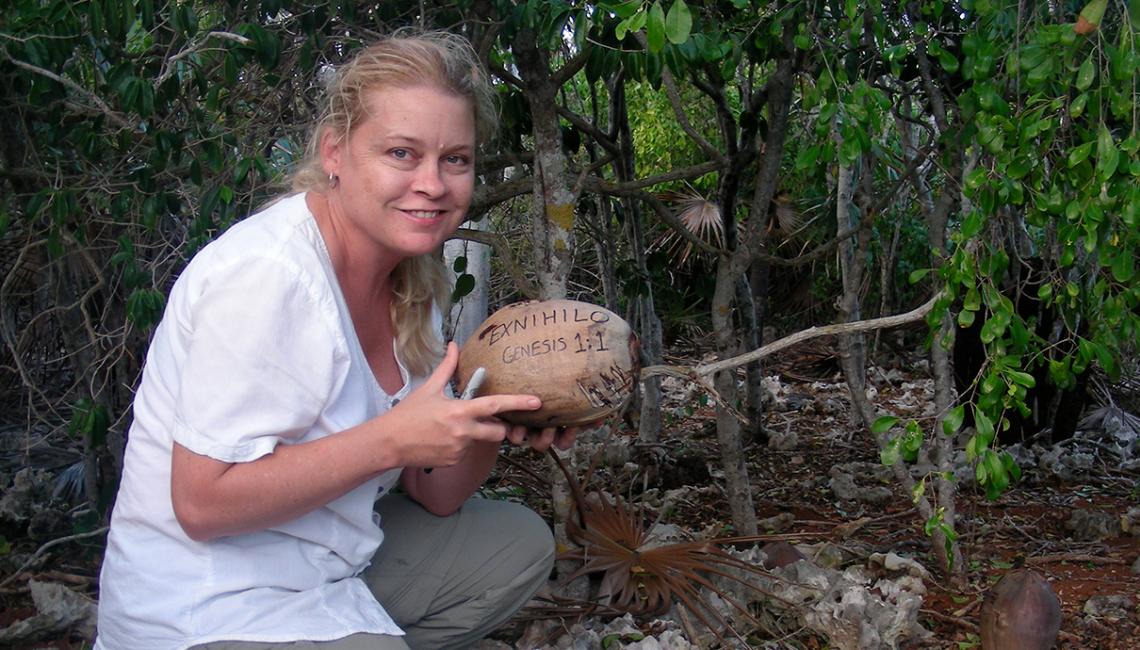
{"points": [[642, 576]]}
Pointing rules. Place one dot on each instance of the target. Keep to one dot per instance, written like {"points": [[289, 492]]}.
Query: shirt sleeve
{"points": [[263, 360]]}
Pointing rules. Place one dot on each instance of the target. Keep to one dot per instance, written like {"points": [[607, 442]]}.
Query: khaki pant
{"points": [[447, 581]]}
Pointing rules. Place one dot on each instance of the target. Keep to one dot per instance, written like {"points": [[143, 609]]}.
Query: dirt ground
{"points": [[1029, 526]]}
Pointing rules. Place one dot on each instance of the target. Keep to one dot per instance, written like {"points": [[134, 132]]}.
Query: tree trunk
{"points": [[555, 197], [728, 429], [552, 235], [731, 266], [943, 385], [852, 356], [648, 324]]}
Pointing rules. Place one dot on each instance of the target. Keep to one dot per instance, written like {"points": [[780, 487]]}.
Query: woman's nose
{"points": [[429, 179]]}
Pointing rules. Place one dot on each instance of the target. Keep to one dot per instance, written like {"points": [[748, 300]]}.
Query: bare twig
{"points": [[705, 370], [169, 67], [1074, 557], [43, 549], [115, 117]]}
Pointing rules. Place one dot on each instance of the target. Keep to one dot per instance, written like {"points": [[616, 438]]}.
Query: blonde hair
{"points": [[403, 60]]}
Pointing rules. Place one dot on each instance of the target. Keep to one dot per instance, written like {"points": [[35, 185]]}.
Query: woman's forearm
{"points": [[442, 490], [213, 498]]}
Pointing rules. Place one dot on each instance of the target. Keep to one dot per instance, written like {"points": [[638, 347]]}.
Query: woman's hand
{"points": [[430, 429], [542, 439]]}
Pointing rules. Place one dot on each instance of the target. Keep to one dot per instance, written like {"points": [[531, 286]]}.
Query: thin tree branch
{"points": [[708, 369], [115, 117], [43, 549], [582, 124], [506, 258], [674, 96], [488, 195], [168, 66], [571, 67], [684, 173]]}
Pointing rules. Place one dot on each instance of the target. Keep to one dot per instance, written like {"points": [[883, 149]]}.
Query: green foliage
{"points": [[90, 421], [1056, 124], [136, 132], [660, 27], [900, 448]]}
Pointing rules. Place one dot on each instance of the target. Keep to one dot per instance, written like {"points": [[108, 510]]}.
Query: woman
{"points": [[290, 384]]}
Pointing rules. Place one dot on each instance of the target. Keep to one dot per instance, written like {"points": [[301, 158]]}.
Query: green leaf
{"points": [[985, 428], [883, 424], [890, 454], [972, 300], [953, 420], [911, 444], [656, 27], [1077, 107], [464, 285], [1123, 268], [1011, 465], [1019, 167], [1107, 155], [1022, 378], [1093, 12], [807, 157], [622, 29], [626, 9], [976, 178], [678, 23], [1086, 74], [917, 275], [949, 61], [917, 491], [1080, 154], [998, 477], [637, 22]]}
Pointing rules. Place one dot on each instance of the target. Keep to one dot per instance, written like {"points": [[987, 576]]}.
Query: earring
{"points": [[334, 180]]}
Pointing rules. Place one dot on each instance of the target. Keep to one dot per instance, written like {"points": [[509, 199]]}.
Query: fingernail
{"points": [[535, 402]]}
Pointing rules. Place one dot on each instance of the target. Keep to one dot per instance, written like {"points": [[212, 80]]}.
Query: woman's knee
{"points": [[531, 537]]}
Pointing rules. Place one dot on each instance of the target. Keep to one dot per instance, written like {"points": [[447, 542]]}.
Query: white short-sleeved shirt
{"points": [[255, 349]]}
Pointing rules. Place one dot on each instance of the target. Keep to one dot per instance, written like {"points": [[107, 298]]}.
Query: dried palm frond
{"points": [[700, 217], [644, 578], [785, 218]]}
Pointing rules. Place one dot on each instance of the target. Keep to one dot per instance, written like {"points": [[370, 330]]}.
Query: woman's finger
{"points": [[492, 405], [518, 435], [566, 437], [441, 376]]}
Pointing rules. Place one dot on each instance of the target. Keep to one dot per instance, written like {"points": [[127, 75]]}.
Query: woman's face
{"points": [[406, 172]]}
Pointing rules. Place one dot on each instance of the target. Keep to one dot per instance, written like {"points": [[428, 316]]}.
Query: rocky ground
{"points": [[1073, 519], [869, 580]]}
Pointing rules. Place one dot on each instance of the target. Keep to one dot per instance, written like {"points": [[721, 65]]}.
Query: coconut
{"points": [[1020, 612], [580, 359]]}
